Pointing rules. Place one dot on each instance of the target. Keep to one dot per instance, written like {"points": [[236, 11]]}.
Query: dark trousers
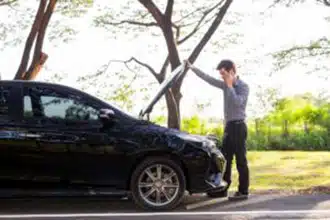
{"points": [[234, 143]]}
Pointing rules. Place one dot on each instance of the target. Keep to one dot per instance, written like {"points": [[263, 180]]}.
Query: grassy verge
{"points": [[288, 171]]}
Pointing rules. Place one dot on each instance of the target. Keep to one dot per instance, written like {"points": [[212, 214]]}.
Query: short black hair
{"points": [[227, 65]]}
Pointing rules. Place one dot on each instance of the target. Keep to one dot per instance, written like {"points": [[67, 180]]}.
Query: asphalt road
{"points": [[257, 207]]}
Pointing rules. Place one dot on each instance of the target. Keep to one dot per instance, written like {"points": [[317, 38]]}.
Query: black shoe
{"points": [[239, 196], [221, 194]]}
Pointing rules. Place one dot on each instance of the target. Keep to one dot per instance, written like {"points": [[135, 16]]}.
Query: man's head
{"points": [[226, 65]]}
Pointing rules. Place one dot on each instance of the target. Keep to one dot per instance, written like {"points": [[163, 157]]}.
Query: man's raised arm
{"points": [[207, 78]]}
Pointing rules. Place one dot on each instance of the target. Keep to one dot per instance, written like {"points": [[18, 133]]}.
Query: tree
{"points": [[29, 68], [37, 35], [292, 2], [319, 48], [171, 30], [7, 2], [266, 98], [112, 86]]}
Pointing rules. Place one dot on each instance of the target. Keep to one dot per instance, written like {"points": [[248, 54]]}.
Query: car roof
{"points": [[36, 83], [19, 81]]}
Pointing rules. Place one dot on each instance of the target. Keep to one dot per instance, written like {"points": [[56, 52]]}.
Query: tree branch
{"points": [[149, 24], [207, 36], [188, 15], [155, 12], [166, 25], [198, 25], [320, 47], [291, 2], [197, 28], [153, 72], [138, 23], [299, 53], [147, 66], [8, 3]]}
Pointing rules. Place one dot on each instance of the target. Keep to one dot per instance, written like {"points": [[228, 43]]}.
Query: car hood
{"points": [[156, 135], [192, 138], [164, 86]]}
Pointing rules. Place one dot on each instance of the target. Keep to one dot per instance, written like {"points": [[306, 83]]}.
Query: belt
{"points": [[240, 121]]}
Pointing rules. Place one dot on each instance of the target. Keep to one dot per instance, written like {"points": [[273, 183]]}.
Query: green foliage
{"points": [[123, 96], [290, 3], [299, 53], [308, 126], [318, 49], [74, 8], [194, 125], [161, 120], [7, 2]]}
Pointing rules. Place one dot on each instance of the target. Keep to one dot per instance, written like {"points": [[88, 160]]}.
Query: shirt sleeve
{"points": [[238, 98], [209, 79]]}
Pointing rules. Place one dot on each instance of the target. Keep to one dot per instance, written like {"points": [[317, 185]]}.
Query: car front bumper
{"points": [[221, 163], [199, 176]]}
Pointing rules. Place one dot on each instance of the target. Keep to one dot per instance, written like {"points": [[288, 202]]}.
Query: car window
{"points": [[4, 101], [57, 106], [65, 108]]}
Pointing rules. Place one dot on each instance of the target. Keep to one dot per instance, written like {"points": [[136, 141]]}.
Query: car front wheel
{"points": [[158, 184]]}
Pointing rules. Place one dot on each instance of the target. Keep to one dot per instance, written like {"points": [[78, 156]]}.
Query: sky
{"points": [[259, 34]]}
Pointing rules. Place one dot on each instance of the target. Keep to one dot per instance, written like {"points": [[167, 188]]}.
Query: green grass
{"points": [[286, 170]]}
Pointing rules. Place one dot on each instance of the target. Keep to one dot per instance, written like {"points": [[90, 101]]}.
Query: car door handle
{"points": [[30, 135]]}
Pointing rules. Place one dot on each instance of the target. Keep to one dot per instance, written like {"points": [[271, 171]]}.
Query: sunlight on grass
{"points": [[286, 170]]}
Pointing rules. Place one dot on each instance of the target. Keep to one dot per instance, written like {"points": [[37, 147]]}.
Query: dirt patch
{"points": [[309, 191], [316, 190]]}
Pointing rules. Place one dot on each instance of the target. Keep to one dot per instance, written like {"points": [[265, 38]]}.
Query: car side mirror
{"points": [[107, 116]]}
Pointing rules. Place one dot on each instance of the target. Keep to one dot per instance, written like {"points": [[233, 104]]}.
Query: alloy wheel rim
{"points": [[158, 185]]}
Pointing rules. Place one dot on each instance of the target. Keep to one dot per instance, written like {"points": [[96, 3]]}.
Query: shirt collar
{"points": [[237, 81]]}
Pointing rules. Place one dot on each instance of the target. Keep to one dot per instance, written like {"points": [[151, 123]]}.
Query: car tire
{"points": [[176, 194]]}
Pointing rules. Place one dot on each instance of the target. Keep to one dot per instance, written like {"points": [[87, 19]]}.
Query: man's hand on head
{"points": [[228, 77]]}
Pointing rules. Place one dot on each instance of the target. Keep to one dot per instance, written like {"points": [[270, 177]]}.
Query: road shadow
{"points": [[78, 205], [274, 202], [64, 205], [271, 202]]}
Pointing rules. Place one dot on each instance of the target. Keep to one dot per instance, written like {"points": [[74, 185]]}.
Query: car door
{"points": [[70, 136], [42, 145], [12, 167]]}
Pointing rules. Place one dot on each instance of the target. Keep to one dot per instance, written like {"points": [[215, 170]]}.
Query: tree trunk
{"points": [[269, 132], [257, 126], [306, 128], [35, 69], [39, 58], [30, 40], [173, 111], [285, 128], [176, 89], [38, 30]]}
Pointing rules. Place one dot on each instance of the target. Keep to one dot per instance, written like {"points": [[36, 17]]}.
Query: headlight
{"points": [[211, 145]]}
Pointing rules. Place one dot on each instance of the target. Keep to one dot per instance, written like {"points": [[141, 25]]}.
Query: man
{"points": [[236, 93]]}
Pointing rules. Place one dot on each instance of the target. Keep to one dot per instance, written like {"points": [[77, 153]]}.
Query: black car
{"points": [[59, 141]]}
